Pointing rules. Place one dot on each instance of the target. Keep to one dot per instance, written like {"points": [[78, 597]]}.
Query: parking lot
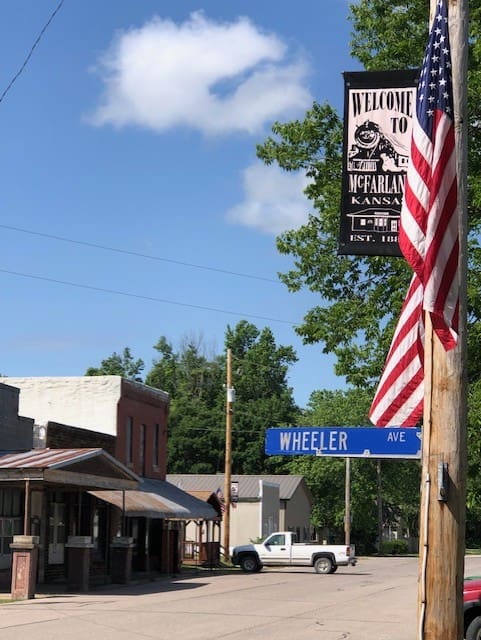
{"points": [[376, 600]]}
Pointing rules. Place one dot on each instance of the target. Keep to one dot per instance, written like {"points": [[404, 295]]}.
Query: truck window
{"points": [[277, 540]]}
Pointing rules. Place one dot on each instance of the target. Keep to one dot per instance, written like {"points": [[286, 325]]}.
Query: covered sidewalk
{"points": [[160, 509], [46, 519]]}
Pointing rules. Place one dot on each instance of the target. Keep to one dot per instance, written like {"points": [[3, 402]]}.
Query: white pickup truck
{"points": [[281, 549]]}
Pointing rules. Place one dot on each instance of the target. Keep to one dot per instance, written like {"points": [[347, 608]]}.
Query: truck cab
{"points": [[277, 548]]}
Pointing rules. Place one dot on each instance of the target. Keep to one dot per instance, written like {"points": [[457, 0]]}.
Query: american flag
{"points": [[220, 498], [428, 237]]}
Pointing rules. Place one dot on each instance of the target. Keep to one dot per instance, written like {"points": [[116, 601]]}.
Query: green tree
{"points": [[164, 372], [361, 296], [196, 422], [196, 382], [119, 365], [401, 480], [473, 497], [263, 397], [348, 407]]}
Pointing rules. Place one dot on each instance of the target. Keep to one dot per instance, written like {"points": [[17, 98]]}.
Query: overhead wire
{"points": [[145, 256], [140, 296], [30, 53], [117, 249], [144, 297], [137, 254]]}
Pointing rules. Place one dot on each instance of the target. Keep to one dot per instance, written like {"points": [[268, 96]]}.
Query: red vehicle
{"points": [[472, 608]]}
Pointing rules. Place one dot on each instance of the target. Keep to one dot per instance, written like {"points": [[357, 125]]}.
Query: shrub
{"points": [[394, 547]]}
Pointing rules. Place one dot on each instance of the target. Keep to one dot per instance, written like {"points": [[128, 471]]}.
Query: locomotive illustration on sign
{"points": [[372, 151]]}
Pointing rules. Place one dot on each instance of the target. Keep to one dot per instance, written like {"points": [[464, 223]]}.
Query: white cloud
{"points": [[274, 200], [211, 76]]}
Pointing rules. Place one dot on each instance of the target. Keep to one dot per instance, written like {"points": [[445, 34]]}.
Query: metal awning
{"points": [[83, 468], [158, 499], [138, 504]]}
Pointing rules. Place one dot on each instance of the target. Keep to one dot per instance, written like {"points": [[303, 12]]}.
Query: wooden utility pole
{"points": [[443, 482], [228, 454]]}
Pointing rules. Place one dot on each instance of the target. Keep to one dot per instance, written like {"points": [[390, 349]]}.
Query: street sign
{"points": [[344, 442]]}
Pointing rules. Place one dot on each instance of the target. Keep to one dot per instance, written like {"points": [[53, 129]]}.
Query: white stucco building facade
{"points": [[89, 402]]}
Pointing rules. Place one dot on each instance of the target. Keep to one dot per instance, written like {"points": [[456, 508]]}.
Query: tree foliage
{"points": [[263, 397], [338, 408], [389, 35], [196, 431], [196, 383], [119, 365], [473, 498], [361, 296]]}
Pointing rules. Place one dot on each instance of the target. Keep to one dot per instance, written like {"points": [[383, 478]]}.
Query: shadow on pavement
{"points": [[140, 584]]}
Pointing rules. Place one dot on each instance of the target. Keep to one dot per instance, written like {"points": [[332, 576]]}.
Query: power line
{"points": [[142, 297], [30, 53], [136, 254]]}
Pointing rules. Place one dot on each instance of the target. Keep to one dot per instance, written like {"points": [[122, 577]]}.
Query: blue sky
{"points": [[133, 126]]}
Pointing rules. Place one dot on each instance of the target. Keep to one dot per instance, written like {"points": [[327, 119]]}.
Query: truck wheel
{"points": [[473, 632], [249, 564], [324, 565]]}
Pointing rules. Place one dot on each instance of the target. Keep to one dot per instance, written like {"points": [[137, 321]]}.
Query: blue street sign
{"points": [[344, 442]]}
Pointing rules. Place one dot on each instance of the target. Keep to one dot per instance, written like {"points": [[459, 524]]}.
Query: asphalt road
{"points": [[376, 600]]}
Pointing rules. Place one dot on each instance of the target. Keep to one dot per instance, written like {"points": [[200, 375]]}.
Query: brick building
{"points": [[134, 413], [41, 489], [54, 435], [127, 422]]}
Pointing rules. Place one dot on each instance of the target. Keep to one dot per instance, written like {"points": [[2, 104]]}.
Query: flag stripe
{"points": [[401, 382]]}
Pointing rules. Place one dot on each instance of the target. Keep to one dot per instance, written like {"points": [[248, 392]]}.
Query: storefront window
{"points": [[9, 527]]}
